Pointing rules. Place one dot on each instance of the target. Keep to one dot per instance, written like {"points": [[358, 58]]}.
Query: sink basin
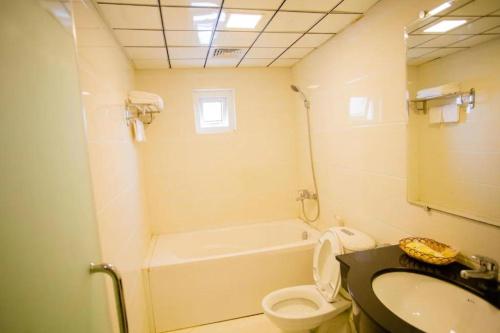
{"points": [[433, 305]]}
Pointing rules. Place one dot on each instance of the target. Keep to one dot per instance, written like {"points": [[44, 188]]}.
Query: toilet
{"points": [[305, 307]]}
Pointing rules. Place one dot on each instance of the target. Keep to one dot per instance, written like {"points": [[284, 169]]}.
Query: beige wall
{"points": [[200, 181], [106, 76], [361, 153], [459, 163]]}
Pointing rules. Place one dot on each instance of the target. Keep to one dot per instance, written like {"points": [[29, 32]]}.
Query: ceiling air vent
{"points": [[227, 53]]}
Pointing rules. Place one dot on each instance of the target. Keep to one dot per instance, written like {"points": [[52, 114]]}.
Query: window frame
{"points": [[228, 110]]}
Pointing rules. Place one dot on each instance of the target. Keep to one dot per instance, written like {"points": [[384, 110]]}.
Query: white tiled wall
{"points": [[198, 181], [105, 78], [361, 151]]}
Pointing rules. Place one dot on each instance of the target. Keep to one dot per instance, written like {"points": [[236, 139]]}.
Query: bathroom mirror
{"points": [[453, 87]]}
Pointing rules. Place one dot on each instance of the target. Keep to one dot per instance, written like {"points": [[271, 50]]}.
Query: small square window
{"points": [[214, 110]]}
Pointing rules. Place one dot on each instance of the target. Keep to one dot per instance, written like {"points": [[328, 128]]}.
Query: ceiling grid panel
{"points": [[163, 33], [316, 23], [260, 33], [213, 34], [189, 31]]}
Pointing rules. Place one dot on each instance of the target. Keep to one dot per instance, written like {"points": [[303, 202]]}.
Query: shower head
{"points": [[306, 101]]}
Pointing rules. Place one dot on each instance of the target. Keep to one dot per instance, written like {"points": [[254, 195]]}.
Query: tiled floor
{"points": [[260, 324], [252, 324]]}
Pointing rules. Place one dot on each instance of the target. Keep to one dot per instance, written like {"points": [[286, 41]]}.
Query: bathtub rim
{"points": [[310, 242]]}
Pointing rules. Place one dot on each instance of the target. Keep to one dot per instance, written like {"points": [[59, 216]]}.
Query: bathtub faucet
{"points": [[306, 194]]}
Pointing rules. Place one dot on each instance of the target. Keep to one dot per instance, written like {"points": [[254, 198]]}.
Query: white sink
{"points": [[433, 305]]}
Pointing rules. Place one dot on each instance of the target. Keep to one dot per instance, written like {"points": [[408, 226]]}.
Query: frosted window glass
{"points": [[214, 110]]}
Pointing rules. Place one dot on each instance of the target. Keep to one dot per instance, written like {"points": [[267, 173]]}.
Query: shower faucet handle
{"points": [[305, 194]]}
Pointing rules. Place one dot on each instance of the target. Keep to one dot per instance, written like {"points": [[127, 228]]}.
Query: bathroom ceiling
{"points": [[226, 33], [482, 23]]}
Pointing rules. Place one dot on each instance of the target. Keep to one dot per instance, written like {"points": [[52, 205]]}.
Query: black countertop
{"points": [[360, 268]]}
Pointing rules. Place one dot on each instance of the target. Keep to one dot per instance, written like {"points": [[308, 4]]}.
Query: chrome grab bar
{"points": [[118, 287]]}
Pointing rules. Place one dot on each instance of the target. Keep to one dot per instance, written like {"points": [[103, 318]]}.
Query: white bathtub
{"points": [[212, 275]]}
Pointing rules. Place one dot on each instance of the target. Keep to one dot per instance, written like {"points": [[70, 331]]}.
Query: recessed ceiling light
{"points": [[243, 21], [445, 25], [439, 8]]}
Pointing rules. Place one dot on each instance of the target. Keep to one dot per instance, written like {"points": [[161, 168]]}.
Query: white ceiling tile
{"points": [[253, 4], [356, 6], [418, 52], [475, 40], [478, 26], [444, 40], [132, 17], [296, 52], [226, 14], [333, 23], [187, 52], [293, 22], [192, 3], [222, 62], [150, 63], [187, 63], [478, 8], [176, 18], [276, 39], [284, 62], [444, 52], [255, 62], [146, 52], [493, 31], [139, 37], [233, 38], [308, 5], [264, 52], [135, 2], [188, 38], [414, 40], [312, 40]]}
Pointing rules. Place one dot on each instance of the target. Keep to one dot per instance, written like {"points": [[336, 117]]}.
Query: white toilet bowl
{"points": [[303, 308]]}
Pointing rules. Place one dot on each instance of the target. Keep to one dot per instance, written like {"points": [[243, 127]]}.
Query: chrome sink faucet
{"points": [[488, 269]]}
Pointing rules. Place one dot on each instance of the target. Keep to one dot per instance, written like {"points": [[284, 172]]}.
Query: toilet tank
{"points": [[353, 240]]}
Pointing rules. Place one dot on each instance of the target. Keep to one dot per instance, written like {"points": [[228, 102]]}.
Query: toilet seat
{"points": [[326, 269]]}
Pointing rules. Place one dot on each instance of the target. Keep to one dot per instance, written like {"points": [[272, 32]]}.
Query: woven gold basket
{"points": [[448, 254]]}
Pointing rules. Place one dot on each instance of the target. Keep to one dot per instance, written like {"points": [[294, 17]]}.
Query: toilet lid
{"points": [[326, 269]]}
